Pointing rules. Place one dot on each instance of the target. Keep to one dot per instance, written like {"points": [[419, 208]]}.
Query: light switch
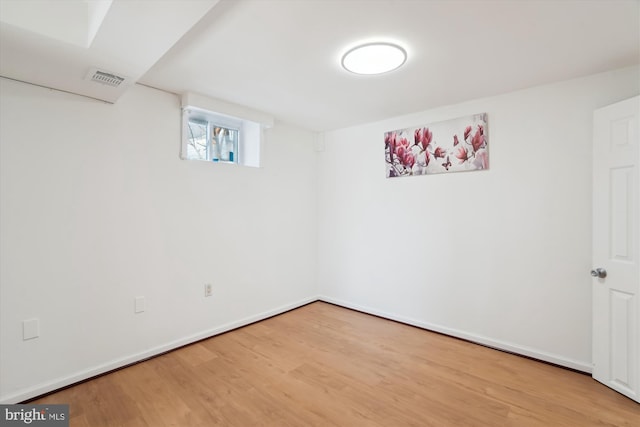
{"points": [[30, 329], [140, 305]]}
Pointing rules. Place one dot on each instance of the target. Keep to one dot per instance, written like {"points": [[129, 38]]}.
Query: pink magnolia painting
{"points": [[450, 146]]}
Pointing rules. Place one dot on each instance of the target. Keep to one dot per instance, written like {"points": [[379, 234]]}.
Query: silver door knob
{"points": [[599, 272]]}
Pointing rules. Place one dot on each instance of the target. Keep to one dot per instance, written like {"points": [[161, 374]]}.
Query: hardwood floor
{"points": [[322, 365]]}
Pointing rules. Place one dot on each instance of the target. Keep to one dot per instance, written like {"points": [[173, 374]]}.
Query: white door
{"points": [[616, 237]]}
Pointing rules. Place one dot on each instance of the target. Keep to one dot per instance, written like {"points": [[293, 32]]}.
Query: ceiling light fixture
{"points": [[374, 58]]}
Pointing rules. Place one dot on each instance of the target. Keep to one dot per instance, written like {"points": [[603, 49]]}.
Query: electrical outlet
{"points": [[208, 289], [140, 305], [30, 329]]}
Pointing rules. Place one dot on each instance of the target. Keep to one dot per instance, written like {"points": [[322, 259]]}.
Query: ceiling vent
{"points": [[106, 78]]}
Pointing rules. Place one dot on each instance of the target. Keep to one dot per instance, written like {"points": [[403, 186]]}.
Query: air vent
{"points": [[105, 78]]}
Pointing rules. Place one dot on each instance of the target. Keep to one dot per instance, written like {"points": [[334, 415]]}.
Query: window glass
{"points": [[197, 145], [213, 137], [224, 144]]}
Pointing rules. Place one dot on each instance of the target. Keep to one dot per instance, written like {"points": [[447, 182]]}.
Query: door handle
{"points": [[599, 272]]}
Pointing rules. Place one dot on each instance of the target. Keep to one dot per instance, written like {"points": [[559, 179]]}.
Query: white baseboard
{"points": [[119, 363], [479, 339], [59, 383]]}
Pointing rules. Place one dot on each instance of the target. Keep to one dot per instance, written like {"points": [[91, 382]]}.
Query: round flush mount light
{"points": [[374, 58]]}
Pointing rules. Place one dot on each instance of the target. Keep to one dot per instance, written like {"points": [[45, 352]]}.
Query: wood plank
{"points": [[323, 365]]}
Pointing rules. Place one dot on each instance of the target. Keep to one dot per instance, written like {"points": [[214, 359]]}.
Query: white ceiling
{"points": [[133, 35], [282, 56]]}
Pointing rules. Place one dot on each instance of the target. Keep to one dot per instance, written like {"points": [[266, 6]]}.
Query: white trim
{"points": [[212, 117], [479, 339], [119, 363], [122, 362], [226, 108]]}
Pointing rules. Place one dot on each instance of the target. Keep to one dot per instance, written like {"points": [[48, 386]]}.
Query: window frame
{"points": [[212, 121]]}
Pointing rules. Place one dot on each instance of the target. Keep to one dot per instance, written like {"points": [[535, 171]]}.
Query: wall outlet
{"points": [[208, 289], [30, 329], [139, 304]]}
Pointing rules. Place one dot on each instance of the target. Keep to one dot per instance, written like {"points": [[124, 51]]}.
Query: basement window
{"points": [[210, 137], [220, 132]]}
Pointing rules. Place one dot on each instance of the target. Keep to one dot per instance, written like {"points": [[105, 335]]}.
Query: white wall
{"points": [[96, 208], [499, 256]]}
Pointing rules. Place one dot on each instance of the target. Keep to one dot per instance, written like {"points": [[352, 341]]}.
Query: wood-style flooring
{"points": [[323, 365]]}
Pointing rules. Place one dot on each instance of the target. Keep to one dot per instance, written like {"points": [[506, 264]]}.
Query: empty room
{"points": [[320, 213]]}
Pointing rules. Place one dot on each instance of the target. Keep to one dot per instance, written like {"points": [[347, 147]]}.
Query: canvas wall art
{"points": [[451, 146]]}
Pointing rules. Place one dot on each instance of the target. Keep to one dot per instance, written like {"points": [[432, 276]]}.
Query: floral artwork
{"points": [[450, 146]]}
